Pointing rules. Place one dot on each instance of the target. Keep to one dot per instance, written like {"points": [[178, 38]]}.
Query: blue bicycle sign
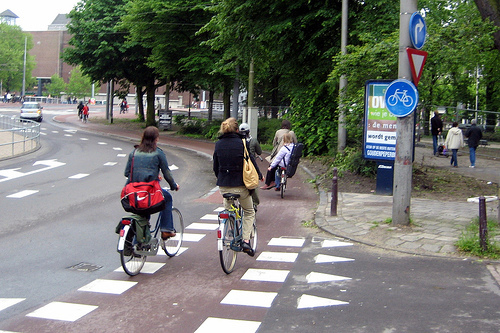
{"points": [[401, 97]]}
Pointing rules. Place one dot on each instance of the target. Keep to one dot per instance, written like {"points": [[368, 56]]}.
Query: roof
{"points": [[61, 19], [8, 13]]}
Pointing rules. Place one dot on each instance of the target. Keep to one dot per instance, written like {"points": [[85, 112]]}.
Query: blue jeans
{"points": [[454, 157], [435, 143], [472, 155], [277, 176], [166, 219]]}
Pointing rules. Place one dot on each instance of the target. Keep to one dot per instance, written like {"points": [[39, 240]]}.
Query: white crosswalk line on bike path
{"points": [[265, 275], [203, 226], [104, 286], [149, 267], [212, 324], [211, 217], [286, 241], [8, 302], [277, 256], [62, 311], [261, 299]]}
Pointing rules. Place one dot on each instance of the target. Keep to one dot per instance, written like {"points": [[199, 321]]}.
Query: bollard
{"points": [[335, 194], [483, 224]]}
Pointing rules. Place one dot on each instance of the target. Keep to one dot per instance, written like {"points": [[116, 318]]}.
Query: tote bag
{"points": [[250, 175]]}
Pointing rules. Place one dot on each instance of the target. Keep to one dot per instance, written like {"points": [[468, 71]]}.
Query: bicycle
{"points": [[283, 178], [229, 234], [400, 96], [133, 254]]}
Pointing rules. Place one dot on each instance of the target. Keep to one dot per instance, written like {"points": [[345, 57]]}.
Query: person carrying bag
{"points": [[143, 166], [229, 160]]}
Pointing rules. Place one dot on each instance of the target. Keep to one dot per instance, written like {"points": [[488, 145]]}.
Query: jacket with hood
{"points": [[454, 139]]}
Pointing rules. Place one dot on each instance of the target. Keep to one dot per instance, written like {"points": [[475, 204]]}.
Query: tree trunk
{"points": [[150, 98], [140, 104], [491, 9], [211, 94], [227, 99]]}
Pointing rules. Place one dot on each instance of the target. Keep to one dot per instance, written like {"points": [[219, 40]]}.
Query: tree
{"points": [[56, 86], [12, 57], [490, 9], [79, 85]]}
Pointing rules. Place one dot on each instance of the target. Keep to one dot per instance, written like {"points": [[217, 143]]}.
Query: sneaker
{"points": [[471, 166], [167, 234], [247, 249]]}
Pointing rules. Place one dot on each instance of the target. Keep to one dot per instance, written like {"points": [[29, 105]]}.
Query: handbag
{"points": [[142, 198], [250, 175]]}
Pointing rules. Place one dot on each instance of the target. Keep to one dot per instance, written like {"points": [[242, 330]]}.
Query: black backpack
{"points": [[295, 156]]}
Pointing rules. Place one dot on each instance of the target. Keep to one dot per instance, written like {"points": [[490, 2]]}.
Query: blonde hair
{"points": [[287, 138], [230, 125]]}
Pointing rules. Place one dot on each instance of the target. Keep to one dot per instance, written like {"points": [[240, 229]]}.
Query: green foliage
{"points": [[79, 85], [197, 127], [469, 240], [56, 86], [12, 57], [266, 130], [352, 160]]}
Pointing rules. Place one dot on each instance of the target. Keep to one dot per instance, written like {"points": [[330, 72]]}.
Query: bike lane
{"points": [[181, 293]]}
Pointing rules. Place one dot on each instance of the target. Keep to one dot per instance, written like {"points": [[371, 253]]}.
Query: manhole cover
{"points": [[85, 267]]}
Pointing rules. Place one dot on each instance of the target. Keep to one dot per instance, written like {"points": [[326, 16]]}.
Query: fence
{"points": [[18, 137]]}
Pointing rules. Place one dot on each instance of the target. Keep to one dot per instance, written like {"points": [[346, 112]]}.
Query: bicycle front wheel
{"points": [[132, 262], [226, 255], [172, 245], [253, 238]]}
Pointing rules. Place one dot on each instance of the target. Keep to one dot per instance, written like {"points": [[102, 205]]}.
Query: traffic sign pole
{"points": [[401, 200]]}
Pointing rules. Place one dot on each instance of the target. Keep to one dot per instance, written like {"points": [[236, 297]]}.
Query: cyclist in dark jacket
{"points": [[228, 168], [149, 160]]}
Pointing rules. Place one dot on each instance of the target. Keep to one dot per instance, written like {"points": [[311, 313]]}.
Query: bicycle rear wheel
{"points": [[283, 183], [172, 245], [226, 255], [132, 262]]}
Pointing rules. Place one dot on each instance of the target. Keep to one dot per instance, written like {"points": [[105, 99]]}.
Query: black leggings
{"points": [[270, 175]]}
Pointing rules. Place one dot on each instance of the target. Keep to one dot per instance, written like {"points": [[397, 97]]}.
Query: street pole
{"points": [[252, 113], [24, 68], [342, 134], [405, 128]]}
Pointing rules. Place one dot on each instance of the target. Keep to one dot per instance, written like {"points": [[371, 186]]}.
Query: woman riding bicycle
{"points": [[282, 158], [228, 168], [148, 160]]}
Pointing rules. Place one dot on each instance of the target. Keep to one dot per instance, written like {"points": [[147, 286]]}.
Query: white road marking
{"points": [[115, 287], [121, 155], [192, 237], [323, 258], [266, 275], [78, 176], [334, 243], [203, 226], [22, 194], [278, 256], [84, 139], [173, 167], [250, 298], [8, 302], [308, 301], [62, 311], [110, 163], [102, 143], [284, 241], [117, 148], [211, 217], [212, 324], [12, 173], [149, 267], [315, 277]]}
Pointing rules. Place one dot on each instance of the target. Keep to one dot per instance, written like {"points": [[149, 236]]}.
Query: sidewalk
{"points": [[437, 225]]}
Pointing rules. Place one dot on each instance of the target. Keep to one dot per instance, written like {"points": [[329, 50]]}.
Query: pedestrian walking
{"points": [[474, 136], [454, 141], [436, 130]]}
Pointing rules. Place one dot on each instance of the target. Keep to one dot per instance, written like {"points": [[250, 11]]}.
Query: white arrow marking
{"points": [[308, 301], [418, 27], [314, 277], [173, 167], [323, 258], [12, 173]]}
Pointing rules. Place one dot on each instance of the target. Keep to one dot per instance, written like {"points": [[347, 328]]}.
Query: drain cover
{"points": [[85, 267]]}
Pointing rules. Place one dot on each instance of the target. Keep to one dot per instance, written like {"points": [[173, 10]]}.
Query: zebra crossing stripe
{"points": [[104, 286], [261, 299], [285, 241], [62, 311], [278, 256], [8, 302], [265, 275], [212, 324]]}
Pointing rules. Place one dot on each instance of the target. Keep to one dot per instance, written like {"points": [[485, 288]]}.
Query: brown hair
{"points": [[455, 124], [230, 125], [148, 141], [286, 124]]}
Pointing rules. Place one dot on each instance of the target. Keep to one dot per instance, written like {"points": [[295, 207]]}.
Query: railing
{"points": [[18, 137]]}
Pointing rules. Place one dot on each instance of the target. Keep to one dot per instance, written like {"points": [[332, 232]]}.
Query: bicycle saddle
{"points": [[231, 195]]}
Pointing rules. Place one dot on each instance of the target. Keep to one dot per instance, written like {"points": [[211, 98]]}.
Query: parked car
{"points": [[32, 111]]}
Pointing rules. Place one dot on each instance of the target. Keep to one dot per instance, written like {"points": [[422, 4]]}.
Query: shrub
{"points": [[352, 160], [469, 240]]}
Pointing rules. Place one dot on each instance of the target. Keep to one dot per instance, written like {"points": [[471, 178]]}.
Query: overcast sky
{"points": [[37, 15]]}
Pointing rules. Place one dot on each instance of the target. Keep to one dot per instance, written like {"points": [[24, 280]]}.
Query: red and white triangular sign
{"points": [[417, 61]]}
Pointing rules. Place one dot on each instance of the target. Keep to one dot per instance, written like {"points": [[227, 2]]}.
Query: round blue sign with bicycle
{"points": [[401, 97]]}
